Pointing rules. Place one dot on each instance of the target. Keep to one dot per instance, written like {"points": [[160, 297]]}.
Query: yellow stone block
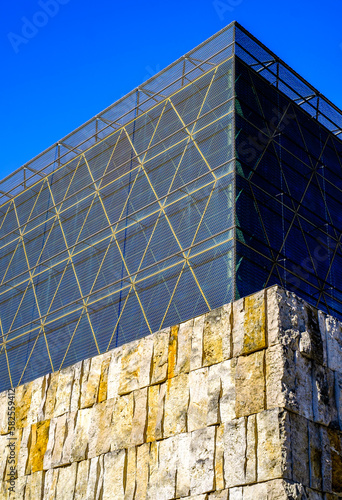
{"points": [[250, 384], [39, 442], [23, 395], [172, 356], [254, 323], [102, 394]]}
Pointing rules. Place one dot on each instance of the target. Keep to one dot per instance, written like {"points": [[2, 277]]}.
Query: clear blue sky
{"points": [[87, 54]]}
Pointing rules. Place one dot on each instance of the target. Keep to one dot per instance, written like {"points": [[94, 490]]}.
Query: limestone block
{"points": [[326, 460], [297, 490], [285, 311], [130, 473], [251, 449], [76, 387], [176, 405], [184, 347], [91, 382], [24, 450], [156, 400], [234, 452], [238, 326], [20, 487], [172, 351], [160, 356], [254, 323], [273, 444], [214, 394], [3, 457], [311, 341], [315, 456], [138, 433], [3, 413], [197, 497], [219, 458], [288, 377], [183, 465], [82, 479], [50, 484], [250, 384], [256, 491], [38, 397], [64, 391], [81, 435], [95, 479], [321, 322], [198, 406], [303, 385], [122, 418], [113, 481], [153, 480], [335, 440], [217, 335], [313, 494], [274, 303], [219, 495], [103, 383], [167, 458], [338, 393], [54, 449], [34, 486], [276, 374], [213, 338], [277, 489], [70, 437], [99, 430], [114, 371], [227, 371], [142, 471], [51, 395], [334, 343], [236, 493], [66, 482], [324, 407], [300, 446], [202, 451], [22, 404], [136, 365], [196, 357], [39, 441]]}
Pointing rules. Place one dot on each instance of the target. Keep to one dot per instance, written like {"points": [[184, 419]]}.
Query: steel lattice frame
{"points": [[125, 238], [204, 184]]}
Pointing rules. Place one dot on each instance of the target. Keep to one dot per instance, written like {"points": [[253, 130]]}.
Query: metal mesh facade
{"points": [[288, 196], [217, 177]]}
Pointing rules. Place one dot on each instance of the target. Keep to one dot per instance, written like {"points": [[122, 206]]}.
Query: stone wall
{"points": [[242, 403]]}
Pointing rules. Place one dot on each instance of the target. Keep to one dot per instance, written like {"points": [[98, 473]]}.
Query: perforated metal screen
{"points": [[219, 176], [133, 235]]}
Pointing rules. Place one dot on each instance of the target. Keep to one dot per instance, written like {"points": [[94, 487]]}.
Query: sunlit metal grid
{"points": [[142, 217], [231, 39], [134, 234]]}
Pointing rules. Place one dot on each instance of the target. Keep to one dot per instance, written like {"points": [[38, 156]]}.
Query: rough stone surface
{"points": [[242, 403]]}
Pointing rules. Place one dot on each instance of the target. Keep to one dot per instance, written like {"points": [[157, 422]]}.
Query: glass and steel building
{"points": [[219, 176]]}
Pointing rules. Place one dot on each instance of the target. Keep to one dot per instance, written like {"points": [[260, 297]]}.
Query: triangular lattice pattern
{"points": [[289, 191], [129, 237]]}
